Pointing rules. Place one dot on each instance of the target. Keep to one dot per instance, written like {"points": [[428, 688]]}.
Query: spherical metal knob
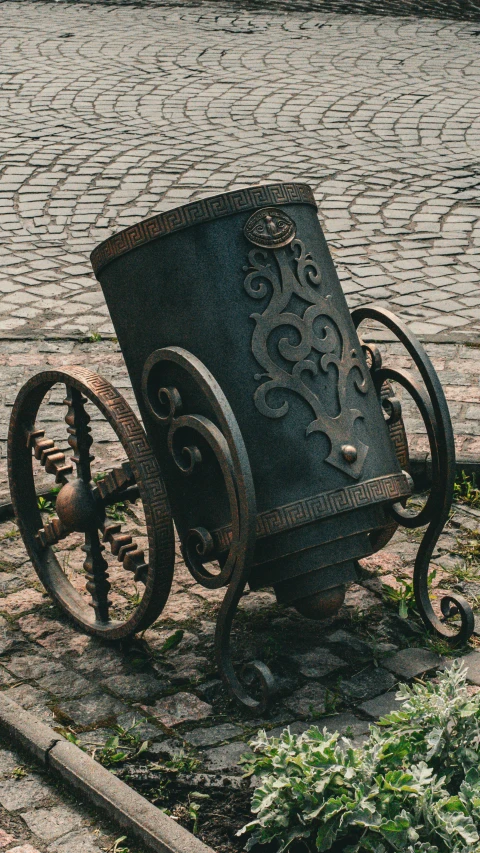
{"points": [[75, 506], [349, 453], [321, 604]]}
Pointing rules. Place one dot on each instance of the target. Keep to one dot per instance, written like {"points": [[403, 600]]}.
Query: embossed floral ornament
{"points": [[270, 228], [293, 278]]}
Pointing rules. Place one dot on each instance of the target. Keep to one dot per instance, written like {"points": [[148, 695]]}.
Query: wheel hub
{"points": [[76, 507]]}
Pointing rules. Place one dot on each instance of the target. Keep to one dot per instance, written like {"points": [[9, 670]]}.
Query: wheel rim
{"points": [[81, 504]]}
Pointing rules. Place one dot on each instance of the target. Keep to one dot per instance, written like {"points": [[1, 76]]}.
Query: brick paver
{"points": [[108, 114]]}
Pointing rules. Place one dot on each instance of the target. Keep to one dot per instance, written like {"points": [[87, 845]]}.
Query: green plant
{"points": [[116, 847], [19, 772], [414, 786], [116, 511], [95, 337], [194, 807], [124, 744], [44, 505], [10, 534], [172, 641], [405, 594], [465, 489], [180, 762]]}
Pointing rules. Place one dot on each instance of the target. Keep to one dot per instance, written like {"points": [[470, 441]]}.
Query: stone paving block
{"points": [[179, 708], [225, 758], [135, 722], [24, 848], [8, 762], [308, 702], [5, 839], [349, 646], [380, 706], [137, 687], [367, 684], [26, 696], [66, 684], [317, 663], [408, 663], [347, 724], [91, 710], [80, 842], [22, 793], [50, 824], [212, 735], [472, 664]]}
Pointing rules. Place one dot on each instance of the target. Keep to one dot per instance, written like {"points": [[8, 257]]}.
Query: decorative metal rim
{"points": [[388, 489], [195, 213], [150, 486]]}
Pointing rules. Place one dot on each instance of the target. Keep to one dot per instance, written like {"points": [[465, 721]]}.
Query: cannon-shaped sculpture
{"points": [[272, 439]]}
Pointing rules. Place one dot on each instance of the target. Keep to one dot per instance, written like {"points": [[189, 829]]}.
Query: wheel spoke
{"points": [[49, 455], [96, 571], [118, 479], [125, 550], [80, 439]]}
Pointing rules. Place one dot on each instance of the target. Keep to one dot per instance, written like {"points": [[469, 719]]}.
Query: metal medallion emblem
{"points": [[270, 228]]}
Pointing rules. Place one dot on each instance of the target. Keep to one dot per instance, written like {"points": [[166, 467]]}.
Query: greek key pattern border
{"points": [[196, 212], [392, 487]]}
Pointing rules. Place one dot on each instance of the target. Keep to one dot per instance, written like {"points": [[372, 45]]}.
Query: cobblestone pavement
{"points": [[108, 114], [464, 10], [38, 816], [163, 692]]}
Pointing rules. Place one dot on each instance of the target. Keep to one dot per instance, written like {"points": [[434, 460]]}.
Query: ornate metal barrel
{"points": [[244, 282]]}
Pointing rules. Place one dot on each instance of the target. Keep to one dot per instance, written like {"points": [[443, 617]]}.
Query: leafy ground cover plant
{"points": [[414, 786]]}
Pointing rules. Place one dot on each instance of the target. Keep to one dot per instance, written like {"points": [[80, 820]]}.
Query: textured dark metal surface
{"points": [[81, 504], [284, 393], [324, 505], [293, 372]]}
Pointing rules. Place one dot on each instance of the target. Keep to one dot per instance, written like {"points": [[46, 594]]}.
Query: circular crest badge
{"points": [[270, 228]]}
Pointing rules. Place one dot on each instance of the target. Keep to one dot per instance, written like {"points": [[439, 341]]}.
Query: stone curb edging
{"points": [[122, 804]]}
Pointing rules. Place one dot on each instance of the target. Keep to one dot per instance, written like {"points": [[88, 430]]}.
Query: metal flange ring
{"points": [[84, 504]]}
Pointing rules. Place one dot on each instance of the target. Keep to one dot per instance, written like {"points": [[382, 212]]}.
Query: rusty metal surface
{"points": [[324, 505], [81, 504], [224, 439], [430, 401]]}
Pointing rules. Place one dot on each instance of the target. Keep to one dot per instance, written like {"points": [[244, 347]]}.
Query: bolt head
{"points": [[349, 453]]}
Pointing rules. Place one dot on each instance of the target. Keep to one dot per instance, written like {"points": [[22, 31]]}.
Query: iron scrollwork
{"points": [[225, 440], [293, 277], [432, 405]]}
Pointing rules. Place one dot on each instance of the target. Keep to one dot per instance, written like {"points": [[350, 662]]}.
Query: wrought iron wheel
{"points": [[116, 590]]}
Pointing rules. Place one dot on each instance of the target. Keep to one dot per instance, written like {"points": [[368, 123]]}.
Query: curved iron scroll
{"points": [[225, 440], [433, 408]]}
